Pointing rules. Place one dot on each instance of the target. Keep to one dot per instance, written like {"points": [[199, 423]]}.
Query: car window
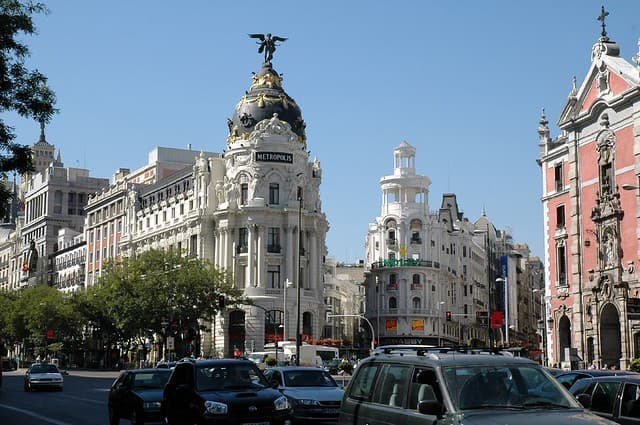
{"points": [[630, 403], [150, 380], [44, 368], [472, 387], [392, 386], [234, 376], [604, 396], [424, 387], [308, 378], [361, 385], [580, 386], [568, 379]]}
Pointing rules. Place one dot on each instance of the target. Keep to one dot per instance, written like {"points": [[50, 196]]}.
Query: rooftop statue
{"points": [[267, 45]]}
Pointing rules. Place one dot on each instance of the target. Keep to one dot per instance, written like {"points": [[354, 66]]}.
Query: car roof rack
{"points": [[416, 350]]}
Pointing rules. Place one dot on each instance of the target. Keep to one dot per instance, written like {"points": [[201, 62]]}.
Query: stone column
{"points": [[289, 258], [260, 276], [251, 263], [313, 255]]}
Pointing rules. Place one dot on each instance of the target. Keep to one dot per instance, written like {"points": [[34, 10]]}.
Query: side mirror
{"points": [[585, 400], [275, 384], [430, 407]]}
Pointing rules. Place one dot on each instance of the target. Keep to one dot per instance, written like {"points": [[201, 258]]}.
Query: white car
{"points": [[43, 375]]}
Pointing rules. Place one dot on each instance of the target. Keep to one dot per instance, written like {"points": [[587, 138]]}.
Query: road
{"points": [[83, 401]]}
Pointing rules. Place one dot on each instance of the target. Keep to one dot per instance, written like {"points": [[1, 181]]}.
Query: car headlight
{"points": [[215, 408], [151, 405], [281, 403], [307, 402]]}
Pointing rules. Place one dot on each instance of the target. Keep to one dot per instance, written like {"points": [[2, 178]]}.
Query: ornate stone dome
{"points": [[265, 98]]}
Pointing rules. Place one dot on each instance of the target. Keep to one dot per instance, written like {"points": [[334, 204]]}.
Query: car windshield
{"points": [[257, 357], [151, 379], [308, 378], [508, 386], [44, 368], [240, 376]]}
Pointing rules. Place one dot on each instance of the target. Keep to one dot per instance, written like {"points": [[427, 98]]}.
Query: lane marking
{"points": [[34, 415], [88, 400]]}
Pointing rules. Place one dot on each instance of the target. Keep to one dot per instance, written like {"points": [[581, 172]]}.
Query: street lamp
{"points": [[543, 324], [298, 335], [287, 284], [439, 322], [504, 280], [361, 317]]}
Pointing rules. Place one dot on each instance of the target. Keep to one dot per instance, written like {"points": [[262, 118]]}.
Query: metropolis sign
{"points": [[274, 157]]}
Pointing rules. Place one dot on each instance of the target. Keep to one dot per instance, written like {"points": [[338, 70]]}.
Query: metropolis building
{"points": [[253, 210]]}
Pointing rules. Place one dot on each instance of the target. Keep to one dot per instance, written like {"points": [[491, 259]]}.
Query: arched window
{"points": [[416, 303], [393, 303]]}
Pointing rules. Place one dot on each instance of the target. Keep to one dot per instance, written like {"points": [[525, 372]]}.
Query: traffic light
{"points": [[447, 315], [221, 301]]}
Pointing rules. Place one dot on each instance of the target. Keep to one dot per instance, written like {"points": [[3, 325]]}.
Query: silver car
{"points": [[313, 393], [43, 375]]}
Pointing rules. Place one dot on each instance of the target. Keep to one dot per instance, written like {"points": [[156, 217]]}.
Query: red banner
{"points": [[497, 319]]}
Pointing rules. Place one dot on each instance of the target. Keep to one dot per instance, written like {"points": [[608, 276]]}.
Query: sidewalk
{"points": [[87, 373]]}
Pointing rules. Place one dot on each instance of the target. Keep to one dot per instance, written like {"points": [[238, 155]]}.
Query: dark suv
{"points": [[222, 392], [454, 387]]}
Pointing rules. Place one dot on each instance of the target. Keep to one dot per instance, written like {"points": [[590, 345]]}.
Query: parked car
{"points": [[165, 365], [312, 392], [222, 391], [569, 378], [43, 375], [260, 358], [457, 387], [554, 371], [613, 397], [136, 395]]}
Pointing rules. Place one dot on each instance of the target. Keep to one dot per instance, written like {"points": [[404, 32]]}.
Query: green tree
{"points": [[22, 91], [135, 296], [36, 311]]}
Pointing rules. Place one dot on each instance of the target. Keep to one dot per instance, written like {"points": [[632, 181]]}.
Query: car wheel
{"points": [[114, 419], [27, 388]]}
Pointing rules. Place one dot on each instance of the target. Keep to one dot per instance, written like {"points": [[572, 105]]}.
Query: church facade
{"points": [[592, 291]]}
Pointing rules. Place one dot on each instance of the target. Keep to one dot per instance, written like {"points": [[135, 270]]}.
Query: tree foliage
{"points": [[138, 297], [22, 91], [27, 316]]}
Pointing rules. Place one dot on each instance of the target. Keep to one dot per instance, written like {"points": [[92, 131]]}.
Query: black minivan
{"points": [[457, 387]]}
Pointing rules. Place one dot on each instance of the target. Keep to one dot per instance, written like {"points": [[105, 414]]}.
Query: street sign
{"points": [[482, 317], [170, 343]]}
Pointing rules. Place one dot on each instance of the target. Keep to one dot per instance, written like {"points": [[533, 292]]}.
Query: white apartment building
{"points": [[422, 264]]}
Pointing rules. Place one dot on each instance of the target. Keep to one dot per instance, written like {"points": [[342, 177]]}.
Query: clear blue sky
{"points": [[463, 82]]}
